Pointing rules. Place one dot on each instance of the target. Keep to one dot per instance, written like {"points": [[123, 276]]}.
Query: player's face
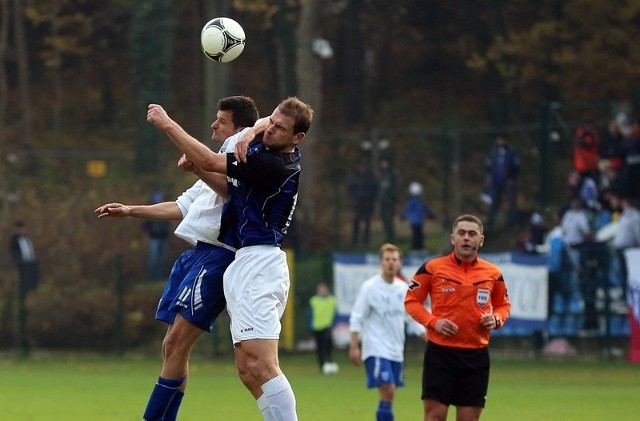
{"points": [[391, 264], [466, 239], [223, 127], [279, 135]]}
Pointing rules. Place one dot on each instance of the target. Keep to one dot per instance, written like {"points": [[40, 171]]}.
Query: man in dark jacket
{"points": [[24, 258], [502, 165]]}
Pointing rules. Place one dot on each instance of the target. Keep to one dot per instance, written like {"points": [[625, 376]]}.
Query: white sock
{"points": [[263, 405], [280, 398]]}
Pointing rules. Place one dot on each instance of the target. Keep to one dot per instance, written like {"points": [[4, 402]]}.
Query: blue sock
{"points": [[161, 396], [385, 411], [174, 406]]}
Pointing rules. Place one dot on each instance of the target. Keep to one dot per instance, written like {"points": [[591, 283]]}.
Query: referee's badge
{"points": [[483, 296]]}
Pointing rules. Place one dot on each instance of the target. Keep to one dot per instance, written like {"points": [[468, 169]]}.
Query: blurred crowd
{"points": [[600, 219]]}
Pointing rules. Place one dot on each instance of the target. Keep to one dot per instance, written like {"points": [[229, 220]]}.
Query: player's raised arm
{"points": [[196, 152]]}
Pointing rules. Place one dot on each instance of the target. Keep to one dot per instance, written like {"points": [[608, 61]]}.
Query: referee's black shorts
{"points": [[455, 376]]}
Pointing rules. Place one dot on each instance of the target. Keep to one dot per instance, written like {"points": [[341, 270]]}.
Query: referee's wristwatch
{"points": [[498, 322]]}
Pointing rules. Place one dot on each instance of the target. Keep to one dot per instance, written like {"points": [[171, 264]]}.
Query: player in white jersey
{"points": [[378, 321], [193, 296]]}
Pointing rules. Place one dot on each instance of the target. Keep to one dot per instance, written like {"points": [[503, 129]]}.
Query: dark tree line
{"points": [[76, 77]]}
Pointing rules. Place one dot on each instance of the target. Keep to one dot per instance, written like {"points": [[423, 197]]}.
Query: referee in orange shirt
{"points": [[468, 299]]}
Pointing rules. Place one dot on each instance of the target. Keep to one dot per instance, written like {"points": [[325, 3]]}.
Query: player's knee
{"points": [[174, 348], [261, 370], [387, 392], [255, 366], [249, 379]]}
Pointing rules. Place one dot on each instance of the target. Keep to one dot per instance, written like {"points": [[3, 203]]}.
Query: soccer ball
{"points": [[222, 39]]}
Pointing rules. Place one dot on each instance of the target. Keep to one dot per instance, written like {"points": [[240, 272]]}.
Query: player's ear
{"points": [[299, 137]]}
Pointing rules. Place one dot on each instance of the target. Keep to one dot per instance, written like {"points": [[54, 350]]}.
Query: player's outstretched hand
{"points": [[117, 210], [186, 165]]}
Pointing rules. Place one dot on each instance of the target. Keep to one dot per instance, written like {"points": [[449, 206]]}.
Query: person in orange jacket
{"points": [[469, 299]]}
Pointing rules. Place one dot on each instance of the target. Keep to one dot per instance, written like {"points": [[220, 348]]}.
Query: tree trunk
{"points": [[285, 50], [309, 76], [4, 85], [151, 42], [22, 58], [4, 91]]}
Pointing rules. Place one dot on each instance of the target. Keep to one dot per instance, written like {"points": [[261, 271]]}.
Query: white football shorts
{"points": [[256, 286]]}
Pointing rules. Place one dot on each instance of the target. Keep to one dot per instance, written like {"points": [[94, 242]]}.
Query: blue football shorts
{"points": [[194, 288], [382, 371]]}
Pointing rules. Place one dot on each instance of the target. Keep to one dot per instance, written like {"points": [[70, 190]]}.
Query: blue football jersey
{"points": [[262, 197]]}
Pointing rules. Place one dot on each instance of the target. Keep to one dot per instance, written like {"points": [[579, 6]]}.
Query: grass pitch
{"points": [[81, 387]]}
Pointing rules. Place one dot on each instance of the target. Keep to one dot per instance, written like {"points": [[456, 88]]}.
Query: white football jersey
{"points": [[201, 207], [381, 319]]}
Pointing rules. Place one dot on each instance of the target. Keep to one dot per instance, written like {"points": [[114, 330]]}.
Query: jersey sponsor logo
{"points": [[448, 290], [246, 329], [483, 296]]}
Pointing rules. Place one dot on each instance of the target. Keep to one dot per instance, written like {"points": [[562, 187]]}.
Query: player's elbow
{"points": [[214, 163]]}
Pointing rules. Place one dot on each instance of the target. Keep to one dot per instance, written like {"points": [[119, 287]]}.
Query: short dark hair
{"points": [[467, 218], [244, 112]]}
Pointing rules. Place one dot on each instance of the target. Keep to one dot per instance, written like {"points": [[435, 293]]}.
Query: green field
{"points": [[81, 387]]}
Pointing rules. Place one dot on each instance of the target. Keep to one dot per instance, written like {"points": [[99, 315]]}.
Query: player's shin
{"points": [[162, 396]]}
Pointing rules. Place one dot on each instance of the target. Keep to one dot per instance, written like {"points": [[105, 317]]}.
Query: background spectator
{"points": [[630, 171], [363, 190], [159, 232], [561, 276], [387, 197], [323, 306], [586, 151], [612, 151], [502, 165], [578, 235], [24, 258], [627, 236], [415, 212], [535, 237]]}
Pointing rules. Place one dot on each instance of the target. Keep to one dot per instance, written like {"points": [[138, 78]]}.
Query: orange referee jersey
{"points": [[461, 292]]}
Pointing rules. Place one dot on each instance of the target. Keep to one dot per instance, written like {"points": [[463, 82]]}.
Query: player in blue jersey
{"points": [[193, 296], [263, 189]]}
